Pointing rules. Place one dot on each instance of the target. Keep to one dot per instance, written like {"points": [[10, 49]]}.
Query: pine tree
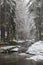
{"points": [[7, 16]]}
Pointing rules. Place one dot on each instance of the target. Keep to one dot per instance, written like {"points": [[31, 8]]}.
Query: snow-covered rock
{"points": [[15, 49], [36, 48], [6, 47]]}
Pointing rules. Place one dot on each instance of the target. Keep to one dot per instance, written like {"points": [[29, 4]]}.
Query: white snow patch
{"points": [[19, 41], [30, 3], [15, 49], [22, 54], [27, 0], [36, 48], [35, 58], [6, 47]]}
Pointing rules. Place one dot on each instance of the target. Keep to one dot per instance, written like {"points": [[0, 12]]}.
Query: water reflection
{"points": [[15, 59], [8, 59]]}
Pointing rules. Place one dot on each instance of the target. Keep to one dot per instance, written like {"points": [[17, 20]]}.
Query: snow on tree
{"points": [[31, 16], [24, 20]]}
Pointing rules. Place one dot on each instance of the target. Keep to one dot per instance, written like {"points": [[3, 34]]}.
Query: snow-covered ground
{"points": [[36, 48], [10, 48], [36, 58], [19, 41], [7, 47], [22, 41]]}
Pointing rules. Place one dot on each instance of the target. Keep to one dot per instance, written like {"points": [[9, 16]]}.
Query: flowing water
{"points": [[15, 59]]}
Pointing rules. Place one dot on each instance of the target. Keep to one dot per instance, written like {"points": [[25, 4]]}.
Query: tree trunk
{"points": [[2, 33]]}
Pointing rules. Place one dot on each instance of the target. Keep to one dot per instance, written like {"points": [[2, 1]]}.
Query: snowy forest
{"points": [[21, 31], [21, 20]]}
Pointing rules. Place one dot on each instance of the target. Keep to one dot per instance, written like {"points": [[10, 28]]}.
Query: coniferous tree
{"points": [[7, 16]]}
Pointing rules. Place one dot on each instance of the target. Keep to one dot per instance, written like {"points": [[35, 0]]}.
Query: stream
{"points": [[15, 59]]}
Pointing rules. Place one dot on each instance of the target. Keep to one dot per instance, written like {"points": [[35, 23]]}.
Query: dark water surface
{"points": [[8, 59], [15, 59]]}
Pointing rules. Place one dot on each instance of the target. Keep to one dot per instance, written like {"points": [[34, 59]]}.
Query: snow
{"points": [[15, 49], [36, 48], [22, 54], [31, 2], [19, 41], [27, 0], [36, 58], [1, 3], [7, 47]]}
